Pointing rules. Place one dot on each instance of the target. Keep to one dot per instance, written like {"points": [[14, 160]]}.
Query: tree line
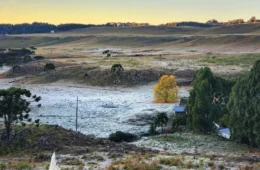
{"points": [[38, 27]]}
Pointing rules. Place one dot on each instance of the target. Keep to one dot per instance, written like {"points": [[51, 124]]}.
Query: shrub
{"points": [[117, 68], [122, 137], [189, 165], [3, 166], [179, 121], [211, 164]]}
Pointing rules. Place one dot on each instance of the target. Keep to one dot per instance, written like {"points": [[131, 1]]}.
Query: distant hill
{"points": [[213, 25]]}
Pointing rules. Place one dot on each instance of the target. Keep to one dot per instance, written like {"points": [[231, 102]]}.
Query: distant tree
{"points": [[117, 68], [161, 120], [244, 108], [49, 68], [15, 107], [253, 20], [166, 90], [213, 21]]}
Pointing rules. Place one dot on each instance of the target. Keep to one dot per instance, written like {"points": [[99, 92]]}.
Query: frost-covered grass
{"points": [[191, 143], [59, 106]]}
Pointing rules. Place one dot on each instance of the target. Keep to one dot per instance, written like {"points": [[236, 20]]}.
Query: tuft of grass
{"points": [[72, 161], [134, 163], [221, 167], [211, 164], [21, 165], [3, 166], [170, 161], [189, 164]]}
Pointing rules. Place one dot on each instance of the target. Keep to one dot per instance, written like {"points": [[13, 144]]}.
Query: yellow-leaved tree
{"points": [[166, 90]]}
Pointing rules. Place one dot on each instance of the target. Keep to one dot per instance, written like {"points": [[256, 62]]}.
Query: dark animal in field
{"points": [[109, 55], [106, 52], [39, 58], [117, 68]]}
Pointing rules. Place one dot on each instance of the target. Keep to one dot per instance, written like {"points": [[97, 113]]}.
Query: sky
{"points": [[103, 11]]}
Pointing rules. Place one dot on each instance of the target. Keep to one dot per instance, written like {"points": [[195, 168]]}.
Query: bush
{"points": [[122, 137], [2, 166], [179, 121]]}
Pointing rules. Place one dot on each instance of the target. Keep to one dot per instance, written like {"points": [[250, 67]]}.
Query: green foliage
{"points": [[152, 129], [179, 121], [161, 120], [244, 108], [15, 106], [184, 101], [207, 101], [3, 166], [122, 137]]}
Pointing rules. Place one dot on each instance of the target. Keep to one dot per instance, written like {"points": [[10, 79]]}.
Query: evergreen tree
{"points": [[206, 103], [244, 108], [15, 107]]}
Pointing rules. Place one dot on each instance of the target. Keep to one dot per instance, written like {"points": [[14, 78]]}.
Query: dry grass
{"points": [[170, 161], [134, 163]]}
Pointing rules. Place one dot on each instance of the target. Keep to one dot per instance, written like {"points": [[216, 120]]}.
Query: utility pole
{"points": [[77, 114]]}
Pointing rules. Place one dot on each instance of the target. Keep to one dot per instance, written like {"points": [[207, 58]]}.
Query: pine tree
{"points": [[244, 108]]}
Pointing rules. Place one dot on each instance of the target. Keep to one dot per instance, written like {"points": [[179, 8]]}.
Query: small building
{"points": [[225, 133], [52, 31], [179, 110]]}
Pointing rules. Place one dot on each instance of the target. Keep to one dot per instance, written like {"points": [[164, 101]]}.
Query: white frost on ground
{"points": [[59, 106], [4, 69]]}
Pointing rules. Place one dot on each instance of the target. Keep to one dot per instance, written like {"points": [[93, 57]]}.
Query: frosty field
{"points": [[101, 110]]}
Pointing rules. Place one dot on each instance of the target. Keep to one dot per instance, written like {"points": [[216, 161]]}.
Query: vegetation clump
{"points": [[244, 108], [170, 161], [207, 101], [15, 107], [161, 120], [179, 121], [72, 161], [117, 68], [122, 137]]}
